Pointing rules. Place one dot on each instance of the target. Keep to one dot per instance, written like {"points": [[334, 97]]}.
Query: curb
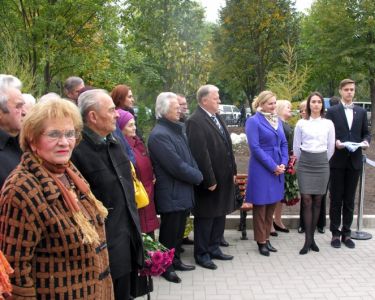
{"points": [[292, 221]]}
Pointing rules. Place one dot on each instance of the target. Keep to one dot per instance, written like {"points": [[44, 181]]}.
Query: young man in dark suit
{"points": [[211, 147], [350, 126]]}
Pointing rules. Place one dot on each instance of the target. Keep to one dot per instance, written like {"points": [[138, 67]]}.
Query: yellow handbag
{"points": [[141, 197]]}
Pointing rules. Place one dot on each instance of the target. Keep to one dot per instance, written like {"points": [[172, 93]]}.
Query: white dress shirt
{"points": [[314, 136], [348, 113]]}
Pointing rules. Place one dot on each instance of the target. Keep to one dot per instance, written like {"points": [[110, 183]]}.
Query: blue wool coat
{"points": [[269, 148]]}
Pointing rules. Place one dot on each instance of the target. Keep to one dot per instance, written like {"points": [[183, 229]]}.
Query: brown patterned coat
{"points": [[43, 244]]}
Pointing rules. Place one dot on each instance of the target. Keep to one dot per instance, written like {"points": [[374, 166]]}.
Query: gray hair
{"points": [[3, 101], [7, 81], [49, 96], [72, 82], [204, 90], [88, 101], [29, 99], [162, 104]]}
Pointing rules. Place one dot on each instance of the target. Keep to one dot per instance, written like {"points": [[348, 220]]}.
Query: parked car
{"points": [[367, 107], [230, 113]]}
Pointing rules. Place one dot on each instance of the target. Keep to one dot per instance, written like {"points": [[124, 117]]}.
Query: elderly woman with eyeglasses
{"points": [[51, 225]]}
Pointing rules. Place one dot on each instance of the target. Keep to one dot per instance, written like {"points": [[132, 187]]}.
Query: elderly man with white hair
{"points": [[176, 174], [103, 163], [11, 114]]}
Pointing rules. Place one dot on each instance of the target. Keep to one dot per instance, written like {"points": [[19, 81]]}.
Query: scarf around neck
{"points": [[273, 119], [70, 198]]}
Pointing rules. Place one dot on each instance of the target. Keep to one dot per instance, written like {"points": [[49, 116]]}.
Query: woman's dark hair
{"points": [[308, 108]]}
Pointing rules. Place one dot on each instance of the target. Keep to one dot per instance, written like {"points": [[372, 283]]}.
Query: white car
{"points": [[230, 113]]}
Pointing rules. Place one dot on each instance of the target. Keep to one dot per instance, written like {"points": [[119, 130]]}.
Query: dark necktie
{"points": [[217, 123]]}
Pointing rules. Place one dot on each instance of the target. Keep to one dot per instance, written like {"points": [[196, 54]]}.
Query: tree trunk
{"points": [[372, 97], [47, 77]]}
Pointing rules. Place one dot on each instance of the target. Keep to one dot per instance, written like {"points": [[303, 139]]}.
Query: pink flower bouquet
{"points": [[157, 257]]}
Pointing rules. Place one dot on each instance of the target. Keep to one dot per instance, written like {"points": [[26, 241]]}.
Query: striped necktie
{"points": [[217, 123]]}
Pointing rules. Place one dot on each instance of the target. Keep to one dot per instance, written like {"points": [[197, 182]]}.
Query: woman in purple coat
{"points": [[144, 170], [269, 156]]}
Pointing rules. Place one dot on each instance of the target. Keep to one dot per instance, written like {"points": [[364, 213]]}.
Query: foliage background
{"points": [[166, 45]]}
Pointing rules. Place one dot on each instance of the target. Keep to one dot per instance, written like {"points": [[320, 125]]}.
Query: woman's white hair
{"points": [[162, 104], [280, 106]]}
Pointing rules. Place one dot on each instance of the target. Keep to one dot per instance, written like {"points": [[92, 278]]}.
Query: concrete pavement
{"points": [[330, 274]]}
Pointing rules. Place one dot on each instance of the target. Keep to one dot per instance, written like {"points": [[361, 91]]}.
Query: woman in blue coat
{"points": [[269, 156]]}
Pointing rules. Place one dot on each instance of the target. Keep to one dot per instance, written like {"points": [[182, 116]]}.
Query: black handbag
{"points": [[141, 285]]}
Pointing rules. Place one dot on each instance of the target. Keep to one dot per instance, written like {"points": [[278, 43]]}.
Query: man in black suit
{"points": [[350, 126], [211, 147]]}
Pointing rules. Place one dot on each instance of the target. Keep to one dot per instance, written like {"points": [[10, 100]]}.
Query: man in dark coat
{"points": [[351, 125], [176, 174], [211, 146], [102, 161], [11, 114]]}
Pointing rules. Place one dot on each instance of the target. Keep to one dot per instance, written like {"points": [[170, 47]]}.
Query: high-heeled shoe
{"points": [[314, 247], [304, 250], [278, 228], [263, 249], [270, 247]]}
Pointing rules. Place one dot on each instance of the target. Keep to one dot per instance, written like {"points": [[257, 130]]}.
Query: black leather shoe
{"points": [[180, 266], [224, 243], [171, 277], [263, 249], [270, 247], [348, 242], [335, 242], [278, 228], [301, 230], [187, 241], [222, 256], [274, 233], [321, 230], [207, 264]]}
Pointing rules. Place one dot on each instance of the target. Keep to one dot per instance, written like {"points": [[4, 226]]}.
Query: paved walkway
{"points": [[330, 274]]}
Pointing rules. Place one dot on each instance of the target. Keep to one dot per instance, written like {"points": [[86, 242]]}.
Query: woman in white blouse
{"points": [[313, 144]]}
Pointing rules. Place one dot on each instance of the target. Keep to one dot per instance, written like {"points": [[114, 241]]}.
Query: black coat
{"points": [[175, 168], [10, 155], [106, 167], [358, 133], [214, 156]]}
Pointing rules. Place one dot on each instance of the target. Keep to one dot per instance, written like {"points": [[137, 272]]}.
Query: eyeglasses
{"points": [[55, 135]]}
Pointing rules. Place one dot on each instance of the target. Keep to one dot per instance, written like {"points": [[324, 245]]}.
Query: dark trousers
{"points": [[342, 188], [207, 236], [262, 221], [121, 287], [322, 216], [171, 233]]}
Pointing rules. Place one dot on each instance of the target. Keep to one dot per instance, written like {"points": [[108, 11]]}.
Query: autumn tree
{"points": [[167, 43], [58, 38], [248, 41], [289, 79], [339, 39]]}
